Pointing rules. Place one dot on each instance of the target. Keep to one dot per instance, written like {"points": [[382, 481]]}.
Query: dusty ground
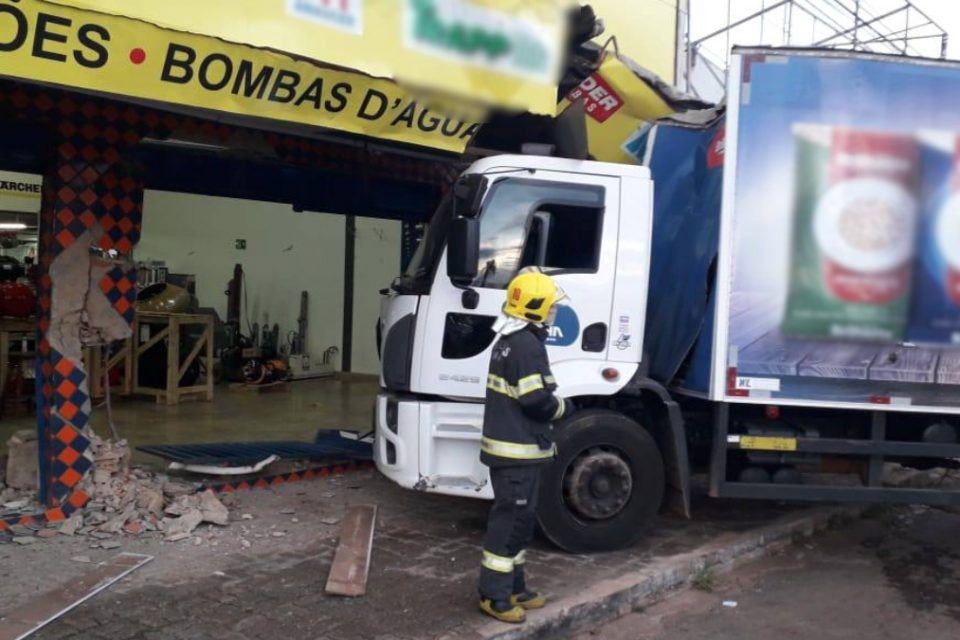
{"points": [[896, 575], [422, 582]]}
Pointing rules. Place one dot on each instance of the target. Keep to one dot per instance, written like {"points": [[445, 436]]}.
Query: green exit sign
{"points": [[240, 244]]}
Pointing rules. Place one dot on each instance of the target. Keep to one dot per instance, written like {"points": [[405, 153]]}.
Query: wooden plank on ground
{"points": [[773, 354], [839, 360], [948, 371], [26, 619], [351, 563], [905, 364]]}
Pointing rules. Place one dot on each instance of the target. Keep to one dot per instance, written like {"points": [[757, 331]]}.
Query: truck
{"points": [[769, 295]]}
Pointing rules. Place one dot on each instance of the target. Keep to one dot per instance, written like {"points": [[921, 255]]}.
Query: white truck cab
{"points": [[587, 224]]}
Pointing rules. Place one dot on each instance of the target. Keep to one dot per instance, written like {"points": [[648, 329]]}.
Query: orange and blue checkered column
{"points": [[88, 196]]}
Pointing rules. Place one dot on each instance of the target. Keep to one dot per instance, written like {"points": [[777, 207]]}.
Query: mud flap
{"points": [[672, 439]]}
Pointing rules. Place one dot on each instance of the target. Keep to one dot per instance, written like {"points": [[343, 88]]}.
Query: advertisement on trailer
{"points": [[840, 255]]}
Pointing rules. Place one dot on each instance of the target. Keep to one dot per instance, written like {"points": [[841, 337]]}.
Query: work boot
{"points": [[503, 610], [529, 600]]}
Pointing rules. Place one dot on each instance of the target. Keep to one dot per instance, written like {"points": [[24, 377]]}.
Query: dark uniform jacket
{"points": [[520, 403]]}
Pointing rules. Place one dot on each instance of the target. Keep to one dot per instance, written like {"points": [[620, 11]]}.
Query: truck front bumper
{"points": [[431, 446]]}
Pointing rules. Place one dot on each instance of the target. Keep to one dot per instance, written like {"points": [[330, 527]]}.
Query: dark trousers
{"points": [[510, 529]]}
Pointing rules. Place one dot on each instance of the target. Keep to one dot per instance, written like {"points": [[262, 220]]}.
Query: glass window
{"points": [[466, 336], [553, 225]]}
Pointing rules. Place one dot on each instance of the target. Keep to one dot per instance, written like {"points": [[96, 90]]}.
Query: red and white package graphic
{"points": [[600, 101]]}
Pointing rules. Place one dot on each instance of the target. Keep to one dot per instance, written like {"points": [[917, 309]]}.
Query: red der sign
{"points": [[600, 101]]}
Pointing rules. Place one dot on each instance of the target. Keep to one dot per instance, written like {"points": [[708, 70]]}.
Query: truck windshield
{"points": [[418, 277]]}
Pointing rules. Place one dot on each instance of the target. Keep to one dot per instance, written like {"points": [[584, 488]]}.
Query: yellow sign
{"points": [[503, 53], [20, 192], [618, 99], [768, 443], [646, 32], [49, 43]]}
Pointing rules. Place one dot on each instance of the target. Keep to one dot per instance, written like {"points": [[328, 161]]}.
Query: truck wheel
{"points": [[606, 483]]}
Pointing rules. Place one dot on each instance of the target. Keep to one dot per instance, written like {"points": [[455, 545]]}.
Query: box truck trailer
{"points": [[771, 294]]}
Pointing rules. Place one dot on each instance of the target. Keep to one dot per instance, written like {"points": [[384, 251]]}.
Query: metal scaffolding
{"points": [[880, 26]]}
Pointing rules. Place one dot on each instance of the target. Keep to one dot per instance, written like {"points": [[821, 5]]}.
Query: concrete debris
{"points": [[214, 511], [123, 501], [116, 523], [247, 516], [180, 528], [330, 521], [16, 505], [134, 528], [22, 470], [71, 524], [150, 500], [84, 559], [244, 543], [174, 489]]}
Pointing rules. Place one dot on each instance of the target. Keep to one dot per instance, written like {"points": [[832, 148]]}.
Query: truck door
{"points": [[565, 223]]}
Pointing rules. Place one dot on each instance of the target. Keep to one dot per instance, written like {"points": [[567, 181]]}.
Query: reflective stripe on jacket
{"points": [[520, 403]]}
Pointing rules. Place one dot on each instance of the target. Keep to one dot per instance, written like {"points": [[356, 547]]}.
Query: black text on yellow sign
{"points": [[54, 44]]}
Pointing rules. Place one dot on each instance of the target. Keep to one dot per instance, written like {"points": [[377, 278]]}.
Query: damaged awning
{"points": [[620, 98], [492, 52]]}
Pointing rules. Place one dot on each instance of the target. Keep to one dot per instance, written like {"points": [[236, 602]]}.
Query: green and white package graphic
{"points": [[854, 227]]}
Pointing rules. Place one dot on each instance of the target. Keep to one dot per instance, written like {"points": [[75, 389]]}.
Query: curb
{"points": [[608, 600]]}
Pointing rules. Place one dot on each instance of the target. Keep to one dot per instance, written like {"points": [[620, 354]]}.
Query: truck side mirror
{"points": [[463, 250], [468, 195]]}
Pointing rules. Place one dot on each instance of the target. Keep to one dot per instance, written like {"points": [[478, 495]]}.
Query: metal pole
{"points": [[902, 34], [763, 10], [943, 45], [906, 31], [860, 24], [729, 26], [788, 23], [726, 48], [840, 31], [349, 282], [856, 22]]}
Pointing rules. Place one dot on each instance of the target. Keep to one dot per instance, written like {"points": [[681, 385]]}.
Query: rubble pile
{"points": [[18, 491], [130, 501]]}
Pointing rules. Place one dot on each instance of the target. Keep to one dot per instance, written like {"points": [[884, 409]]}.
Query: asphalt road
{"points": [[895, 574]]}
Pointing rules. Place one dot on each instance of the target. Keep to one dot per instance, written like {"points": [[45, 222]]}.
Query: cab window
{"points": [[553, 225]]}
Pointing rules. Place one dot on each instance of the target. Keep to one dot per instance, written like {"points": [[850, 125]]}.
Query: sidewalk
{"points": [[263, 575]]}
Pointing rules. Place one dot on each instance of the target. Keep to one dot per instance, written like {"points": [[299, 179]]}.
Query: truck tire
{"points": [[605, 485]]}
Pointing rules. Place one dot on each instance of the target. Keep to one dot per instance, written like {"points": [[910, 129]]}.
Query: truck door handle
{"points": [[594, 337]]}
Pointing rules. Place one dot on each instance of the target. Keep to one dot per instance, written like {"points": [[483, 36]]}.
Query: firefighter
{"points": [[517, 441]]}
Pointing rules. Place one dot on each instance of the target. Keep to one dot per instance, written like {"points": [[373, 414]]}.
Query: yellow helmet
{"points": [[531, 295]]}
